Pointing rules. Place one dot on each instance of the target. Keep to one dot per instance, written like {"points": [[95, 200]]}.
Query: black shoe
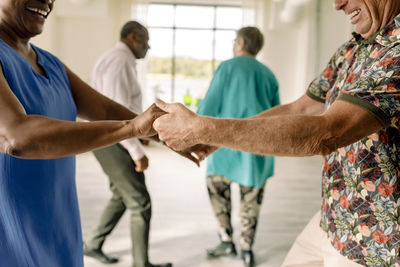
{"points": [[223, 249], [98, 255], [248, 258], [167, 264]]}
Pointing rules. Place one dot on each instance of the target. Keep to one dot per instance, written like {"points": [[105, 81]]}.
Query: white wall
{"points": [[287, 50], [335, 29], [298, 51]]}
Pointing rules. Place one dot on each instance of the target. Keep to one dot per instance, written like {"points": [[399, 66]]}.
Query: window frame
{"points": [[174, 28]]}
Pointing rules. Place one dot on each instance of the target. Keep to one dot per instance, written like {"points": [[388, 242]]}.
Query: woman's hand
{"points": [[143, 124]]}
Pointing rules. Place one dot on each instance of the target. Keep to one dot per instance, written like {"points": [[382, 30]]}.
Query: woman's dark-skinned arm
{"points": [[39, 137]]}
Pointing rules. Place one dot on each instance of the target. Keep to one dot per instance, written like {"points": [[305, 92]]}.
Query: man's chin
{"points": [[366, 33]]}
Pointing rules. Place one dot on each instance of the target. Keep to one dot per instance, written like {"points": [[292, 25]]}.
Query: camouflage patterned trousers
{"points": [[219, 190]]}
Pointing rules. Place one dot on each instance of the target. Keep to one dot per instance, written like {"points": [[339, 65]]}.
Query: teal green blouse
{"points": [[242, 87]]}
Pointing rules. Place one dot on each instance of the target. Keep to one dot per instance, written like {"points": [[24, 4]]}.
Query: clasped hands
{"points": [[175, 125]]}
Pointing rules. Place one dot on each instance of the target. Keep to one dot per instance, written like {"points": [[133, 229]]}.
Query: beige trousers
{"points": [[313, 249]]}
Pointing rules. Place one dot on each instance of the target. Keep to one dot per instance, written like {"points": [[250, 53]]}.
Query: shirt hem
{"points": [[377, 112], [314, 97]]}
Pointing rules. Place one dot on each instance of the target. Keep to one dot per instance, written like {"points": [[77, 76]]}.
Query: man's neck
{"points": [[244, 54]]}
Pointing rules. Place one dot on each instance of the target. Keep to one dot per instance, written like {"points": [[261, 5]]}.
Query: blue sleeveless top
{"points": [[39, 215]]}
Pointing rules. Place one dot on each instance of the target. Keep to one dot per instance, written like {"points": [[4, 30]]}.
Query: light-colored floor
{"points": [[183, 225]]}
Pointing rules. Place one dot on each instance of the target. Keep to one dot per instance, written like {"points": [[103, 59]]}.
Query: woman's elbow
{"points": [[5, 146], [12, 146]]}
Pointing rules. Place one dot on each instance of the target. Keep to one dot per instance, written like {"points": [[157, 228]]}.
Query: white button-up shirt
{"points": [[115, 76]]}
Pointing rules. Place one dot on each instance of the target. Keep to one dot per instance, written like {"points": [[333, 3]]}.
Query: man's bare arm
{"points": [[285, 135], [304, 106]]}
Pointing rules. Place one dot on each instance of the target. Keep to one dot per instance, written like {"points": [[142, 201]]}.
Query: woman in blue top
{"points": [[40, 99], [242, 87]]}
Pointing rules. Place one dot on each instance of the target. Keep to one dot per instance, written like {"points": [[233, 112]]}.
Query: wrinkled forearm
{"points": [[37, 137], [294, 135], [302, 106], [278, 110], [291, 135], [284, 135]]}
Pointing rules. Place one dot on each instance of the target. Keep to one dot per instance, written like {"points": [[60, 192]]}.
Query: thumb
{"points": [[164, 106]]}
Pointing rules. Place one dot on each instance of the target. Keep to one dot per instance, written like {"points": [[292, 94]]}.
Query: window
{"points": [[187, 44]]}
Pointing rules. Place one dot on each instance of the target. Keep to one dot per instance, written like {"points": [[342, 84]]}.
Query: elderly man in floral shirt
{"points": [[350, 114]]}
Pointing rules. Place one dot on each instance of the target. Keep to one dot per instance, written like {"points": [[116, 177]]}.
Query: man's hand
{"points": [[143, 123], [144, 142], [141, 164], [176, 128], [198, 153], [190, 156], [202, 151]]}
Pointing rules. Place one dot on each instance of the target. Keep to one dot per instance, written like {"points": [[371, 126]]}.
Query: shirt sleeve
{"points": [[378, 90], [119, 84], [122, 85], [134, 148], [319, 87], [211, 104]]}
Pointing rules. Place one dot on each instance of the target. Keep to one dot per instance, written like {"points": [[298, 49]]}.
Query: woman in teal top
{"points": [[242, 87]]}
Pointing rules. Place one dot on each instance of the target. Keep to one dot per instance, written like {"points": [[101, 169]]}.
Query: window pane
{"points": [[193, 63], [194, 49], [194, 43], [159, 66], [160, 15], [160, 41], [195, 17], [224, 44], [190, 91], [229, 17]]}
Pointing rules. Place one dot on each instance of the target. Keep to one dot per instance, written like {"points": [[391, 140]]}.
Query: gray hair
{"points": [[253, 39], [132, 27]]}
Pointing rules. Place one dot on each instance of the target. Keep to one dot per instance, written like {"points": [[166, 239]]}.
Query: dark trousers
{"points": [[129, 192]]}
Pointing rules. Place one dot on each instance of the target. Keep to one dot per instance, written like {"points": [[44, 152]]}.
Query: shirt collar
{"points": [[123, 46], [387, 36]]}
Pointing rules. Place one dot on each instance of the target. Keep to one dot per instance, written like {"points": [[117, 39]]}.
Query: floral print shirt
{"points": [[360, 192]]}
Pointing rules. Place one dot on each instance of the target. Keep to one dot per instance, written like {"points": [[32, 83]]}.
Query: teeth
{"points": [[355, 13], [39, 11]]}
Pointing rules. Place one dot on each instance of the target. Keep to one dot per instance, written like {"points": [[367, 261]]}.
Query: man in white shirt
{"points": [[115, 76]]}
